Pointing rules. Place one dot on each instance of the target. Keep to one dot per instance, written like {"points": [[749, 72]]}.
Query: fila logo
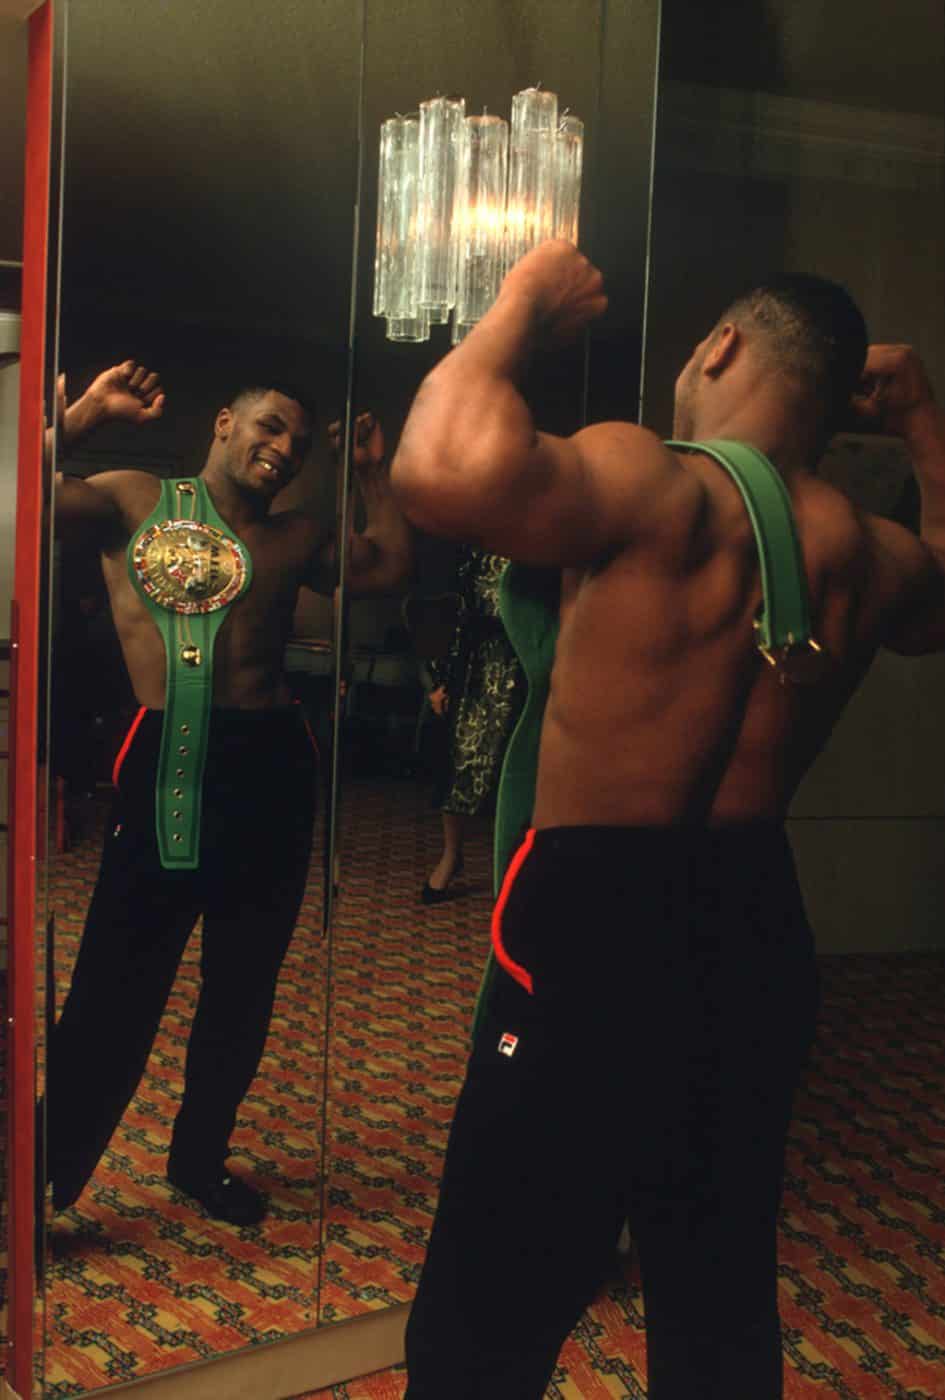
{"points": [[508, 1044]]}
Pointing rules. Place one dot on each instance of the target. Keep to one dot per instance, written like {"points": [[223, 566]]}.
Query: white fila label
{"points": [[508, 1044]]}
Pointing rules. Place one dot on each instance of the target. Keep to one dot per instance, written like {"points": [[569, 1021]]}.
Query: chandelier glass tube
{"points": [[461, 199]]}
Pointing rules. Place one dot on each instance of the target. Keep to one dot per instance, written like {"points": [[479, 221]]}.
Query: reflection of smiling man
{"points": [[637, 1054], [216, 780]]}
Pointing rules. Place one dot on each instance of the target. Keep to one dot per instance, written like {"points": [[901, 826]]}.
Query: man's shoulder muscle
{"points": [[635, 463], [108, 505], [127, 488], [298, 527]]}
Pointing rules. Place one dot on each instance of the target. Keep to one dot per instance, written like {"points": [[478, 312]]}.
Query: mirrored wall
{"points": [[219, 204], [219, 197], [209, 187], [432, 687]]}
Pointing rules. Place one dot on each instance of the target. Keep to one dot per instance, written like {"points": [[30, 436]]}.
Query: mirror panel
{"points": [[405, 973], [791, 139], [209, 191]]}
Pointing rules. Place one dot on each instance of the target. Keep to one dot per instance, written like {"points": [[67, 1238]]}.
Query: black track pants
{"points": [[637, 1060], [256, 838]]}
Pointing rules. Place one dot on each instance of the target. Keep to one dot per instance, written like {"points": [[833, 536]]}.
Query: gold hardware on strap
{"points": [[801, 663]]}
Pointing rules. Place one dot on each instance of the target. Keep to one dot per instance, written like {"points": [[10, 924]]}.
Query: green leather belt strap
{"points": [[529, 598], [528, 604], [187, 568], [783, 626]]}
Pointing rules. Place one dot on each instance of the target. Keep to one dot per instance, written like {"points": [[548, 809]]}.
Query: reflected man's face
{"points": [[268, 441]]}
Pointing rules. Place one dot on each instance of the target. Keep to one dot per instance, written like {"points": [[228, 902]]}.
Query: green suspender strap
{"points": [[187, 568], [529, 608], [783, 625], [528, 605]]}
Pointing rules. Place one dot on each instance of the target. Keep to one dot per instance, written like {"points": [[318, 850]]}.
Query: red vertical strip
{"points": [[129, 740], [23, 705], [514, 969]]}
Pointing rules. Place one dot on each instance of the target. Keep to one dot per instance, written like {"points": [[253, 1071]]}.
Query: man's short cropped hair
{"points": [[813, 330], [250, 393]]}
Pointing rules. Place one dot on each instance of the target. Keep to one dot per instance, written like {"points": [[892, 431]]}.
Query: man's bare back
{"points": [[675, 1026], [662, 710], [700, 728]]}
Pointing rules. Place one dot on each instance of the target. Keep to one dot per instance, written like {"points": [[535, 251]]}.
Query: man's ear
{"points": [[223, 424], [723, 350]]}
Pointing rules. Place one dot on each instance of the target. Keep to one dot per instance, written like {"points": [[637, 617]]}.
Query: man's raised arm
{"points": [[379, 557], [128, 393], [897, 398], [471, 464]]}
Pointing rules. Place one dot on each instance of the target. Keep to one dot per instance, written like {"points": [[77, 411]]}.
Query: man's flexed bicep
{"points": [[532, 496], [896, 397], [96, 510], [908, 588], [471, 464]]}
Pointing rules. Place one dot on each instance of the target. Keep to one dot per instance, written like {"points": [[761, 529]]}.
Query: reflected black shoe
{"points": [[431, 895], [223, 1197]]}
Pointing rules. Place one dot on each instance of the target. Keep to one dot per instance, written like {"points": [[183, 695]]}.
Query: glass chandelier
{"points": [[460, 199]]}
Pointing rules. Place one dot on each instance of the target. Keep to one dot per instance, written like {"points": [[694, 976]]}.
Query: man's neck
{"points": [[236, 507], [787, 449]]}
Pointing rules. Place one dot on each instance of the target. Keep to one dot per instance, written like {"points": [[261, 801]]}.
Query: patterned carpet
{"points": [[405, 979], [142, 1281], [862, 1264]]}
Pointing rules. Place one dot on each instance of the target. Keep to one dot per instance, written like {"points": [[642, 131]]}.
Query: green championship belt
{"points": [[529, 601], [187, 567]]}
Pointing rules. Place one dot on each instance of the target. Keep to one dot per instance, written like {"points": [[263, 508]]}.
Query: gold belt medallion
{"points": [[188, 567]]}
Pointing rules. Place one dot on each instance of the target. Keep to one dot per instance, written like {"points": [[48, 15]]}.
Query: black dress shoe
{"points": [[430, 895], [223, 1197]]}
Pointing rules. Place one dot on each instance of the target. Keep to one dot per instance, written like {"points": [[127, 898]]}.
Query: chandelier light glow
{"points": [[461, 199]]}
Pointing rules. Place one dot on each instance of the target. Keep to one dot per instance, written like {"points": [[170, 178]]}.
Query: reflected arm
{"points": [[90, 509], [380, 557], [127, 392], [898, 398], [917, 567]]}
